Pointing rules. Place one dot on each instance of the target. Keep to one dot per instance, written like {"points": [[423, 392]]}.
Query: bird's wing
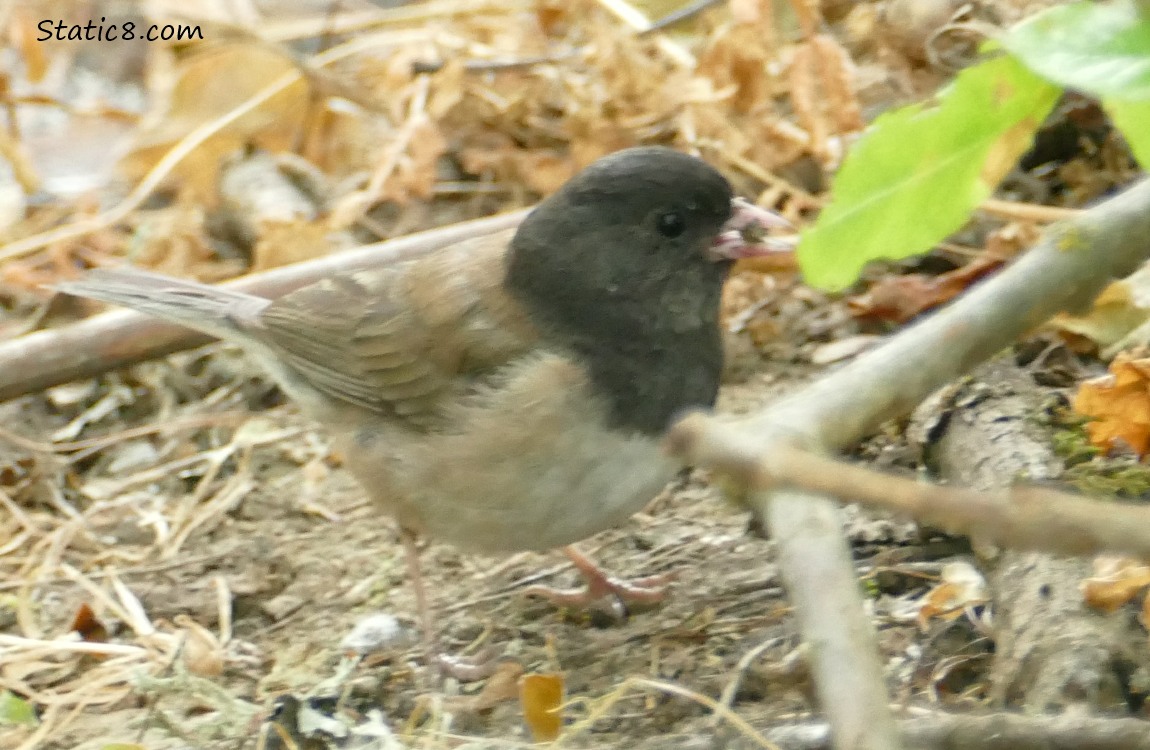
{"points": [[404, 340]]}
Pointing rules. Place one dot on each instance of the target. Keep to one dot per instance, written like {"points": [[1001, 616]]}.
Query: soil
{"points": [[305, 560]]}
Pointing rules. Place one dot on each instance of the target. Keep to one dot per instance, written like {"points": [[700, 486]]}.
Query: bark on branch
{"points": [[1065, 271]]}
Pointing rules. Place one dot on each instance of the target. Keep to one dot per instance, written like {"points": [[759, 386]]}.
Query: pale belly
{"points": [[551, 475]]}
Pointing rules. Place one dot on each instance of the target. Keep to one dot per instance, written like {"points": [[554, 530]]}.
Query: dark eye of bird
{"points": [[671, 224]]}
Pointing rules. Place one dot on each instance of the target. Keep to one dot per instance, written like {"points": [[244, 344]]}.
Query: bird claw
{"points": [[618, 595]]}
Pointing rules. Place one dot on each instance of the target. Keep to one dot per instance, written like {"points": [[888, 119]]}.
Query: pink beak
{"points": [[744, 235]]}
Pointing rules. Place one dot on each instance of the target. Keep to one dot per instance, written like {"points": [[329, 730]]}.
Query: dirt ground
{"points": [[304, 560], [208, 556]]}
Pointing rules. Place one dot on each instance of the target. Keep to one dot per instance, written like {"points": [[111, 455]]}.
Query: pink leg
{"points": [[464, 670], [600, 586], [423, 609]]}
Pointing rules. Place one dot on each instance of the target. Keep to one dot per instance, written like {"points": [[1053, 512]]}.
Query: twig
{"points": [[486, 66], [1068, 268], [681, 14], [1023, 518], [727, 697], [637, 20], [138, 570], [193, 422], [936, 730], [599, 708], [1027, 211]]}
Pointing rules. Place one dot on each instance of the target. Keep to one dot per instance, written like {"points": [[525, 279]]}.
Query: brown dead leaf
{"points": [[962, 587], [1011, 239], [415, 172], [88, 625], [1113, 315], [174, 240], [807, 98], [1116, 581], [743, 294], [546, 171], [737, 59], [808, 14], [907, 25], [502, 686], [837, 76], [1122, 307], [207, 87], [284, 243], [899, 298], [540, 697], [552, 16], [1119, 405], [203, 654]]}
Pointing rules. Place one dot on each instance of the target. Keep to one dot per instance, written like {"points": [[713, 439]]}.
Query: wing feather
{"points": [[406, 340]]}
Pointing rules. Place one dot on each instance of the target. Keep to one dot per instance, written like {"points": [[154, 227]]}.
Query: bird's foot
{"points": [[602, 589]]}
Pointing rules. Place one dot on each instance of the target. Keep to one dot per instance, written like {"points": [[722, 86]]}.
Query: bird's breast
{"points": [[530, 463]]}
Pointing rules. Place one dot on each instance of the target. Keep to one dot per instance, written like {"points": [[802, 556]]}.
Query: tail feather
{"points": [[219, 312]]}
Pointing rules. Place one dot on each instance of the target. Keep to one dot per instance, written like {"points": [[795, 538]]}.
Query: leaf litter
{"points": [[164, 573]]}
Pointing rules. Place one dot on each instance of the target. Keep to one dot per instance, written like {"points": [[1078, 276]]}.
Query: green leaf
{"points": [[919, 171], [16, 711], [1098, 48], [1132, 117]]}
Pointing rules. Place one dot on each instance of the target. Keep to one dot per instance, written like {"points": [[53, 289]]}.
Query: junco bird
{"points": [[507, 393]]}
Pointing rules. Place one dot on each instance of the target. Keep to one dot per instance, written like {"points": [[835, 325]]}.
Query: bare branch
{"points": [[1072, 264], [1021, 518]]}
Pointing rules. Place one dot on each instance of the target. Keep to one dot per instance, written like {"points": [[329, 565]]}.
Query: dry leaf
{"points": [[1119, 404], [899, 298], [962, 587], [500, 687], [1116, 581], [208, 86], [284, 243], [1144, 615], [546, 171], [23, 37], [202, 652], [88, 625], [540, 696], [1122, 307]]}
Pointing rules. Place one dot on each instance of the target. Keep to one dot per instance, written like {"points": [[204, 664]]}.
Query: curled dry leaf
{"points": [[806, 97], [1122, 307], [738, 60], [88, 625], [899, 298], [174, 240], [501, 686], [1116, 581], [962, 587], [203, 655], [1119, 405]]}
